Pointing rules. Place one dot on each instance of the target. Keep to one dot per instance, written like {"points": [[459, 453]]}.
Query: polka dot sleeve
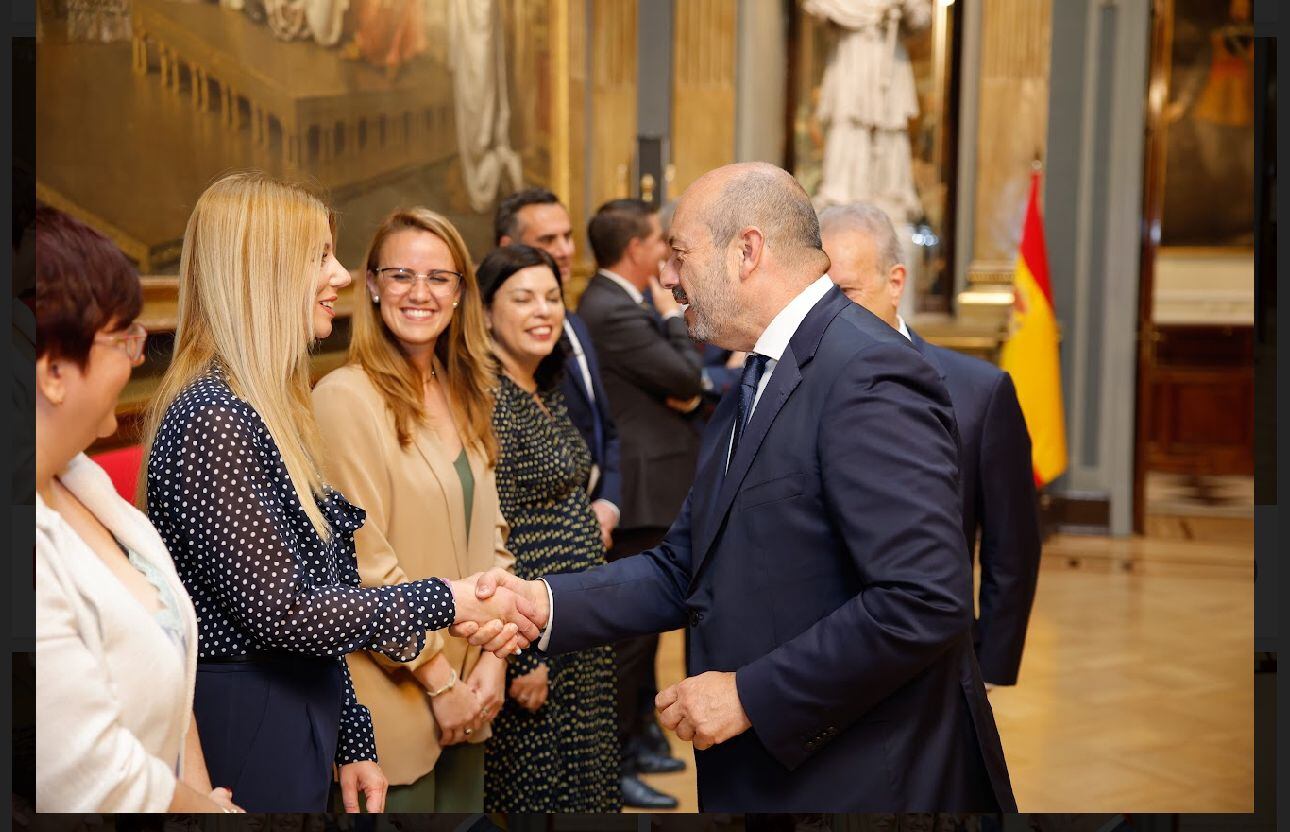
{"points": [[230, 496], [357, 741]]}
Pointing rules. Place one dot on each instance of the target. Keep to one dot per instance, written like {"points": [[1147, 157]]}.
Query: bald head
{"points": [[744, 242], [761, 195]]}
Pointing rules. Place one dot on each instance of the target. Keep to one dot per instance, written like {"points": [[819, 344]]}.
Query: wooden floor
{"points": [[1136, 690]]}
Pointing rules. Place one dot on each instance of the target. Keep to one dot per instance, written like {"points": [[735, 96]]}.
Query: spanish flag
{"points": [[1030, 355]]}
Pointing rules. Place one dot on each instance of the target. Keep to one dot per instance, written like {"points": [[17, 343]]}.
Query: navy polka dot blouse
{"points": [[260, 577]]}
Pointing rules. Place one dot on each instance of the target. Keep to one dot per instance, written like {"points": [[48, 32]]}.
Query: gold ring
{"points": [[468, 731]]}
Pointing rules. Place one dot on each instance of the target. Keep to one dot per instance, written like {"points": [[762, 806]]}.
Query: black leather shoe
{"points": [[652, 737], [651, 762], [640, 795]]}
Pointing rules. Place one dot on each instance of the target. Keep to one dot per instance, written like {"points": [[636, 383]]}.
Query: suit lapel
{"points": [[929, 356], [482, 522], [783, 381], [707, 481], [580, 382], [446, 474]]}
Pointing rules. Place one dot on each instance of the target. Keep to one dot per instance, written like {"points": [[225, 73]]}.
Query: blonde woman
{"points": [[263, 546], [409, 437]]}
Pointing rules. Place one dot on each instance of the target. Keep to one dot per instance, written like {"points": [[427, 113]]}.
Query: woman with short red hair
{"points": [[116, 636]]}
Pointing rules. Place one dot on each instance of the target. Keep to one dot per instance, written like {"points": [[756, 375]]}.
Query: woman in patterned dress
{"points": [[554, 746]]}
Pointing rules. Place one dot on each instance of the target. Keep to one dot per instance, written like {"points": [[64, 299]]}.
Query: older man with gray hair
{"points": [[998, 488]]}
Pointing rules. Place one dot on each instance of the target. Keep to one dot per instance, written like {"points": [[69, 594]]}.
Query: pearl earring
{"points": [[375, 299], [454, 304]]}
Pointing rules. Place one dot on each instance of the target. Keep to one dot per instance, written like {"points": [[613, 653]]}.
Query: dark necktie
{"points": [[754, 366]]}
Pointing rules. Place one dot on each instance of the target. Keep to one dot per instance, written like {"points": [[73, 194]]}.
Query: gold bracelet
{"points": [[447, 686]]}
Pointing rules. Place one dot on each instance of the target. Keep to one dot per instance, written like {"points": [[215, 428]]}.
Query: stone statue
{"points": [[866, 100]]}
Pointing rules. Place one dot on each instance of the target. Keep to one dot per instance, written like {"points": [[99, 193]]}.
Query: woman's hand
{"points": [[530, 690], [458, 713], [488, 681], [365, 776]]}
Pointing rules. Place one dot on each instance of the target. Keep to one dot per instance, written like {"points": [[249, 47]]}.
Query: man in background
{"points": [[653, 375], [536, 217], [999, 499]]}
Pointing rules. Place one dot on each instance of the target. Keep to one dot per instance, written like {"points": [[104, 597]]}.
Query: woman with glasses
{"points": [[555, 745], [264, 546], [116, 637], [407, 425]]}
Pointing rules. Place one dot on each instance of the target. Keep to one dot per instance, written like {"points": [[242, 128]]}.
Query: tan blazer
{"points": [[415, 528]]}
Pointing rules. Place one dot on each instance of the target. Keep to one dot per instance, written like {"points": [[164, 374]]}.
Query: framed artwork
{"points": [[381, 103], [1208, 183]]}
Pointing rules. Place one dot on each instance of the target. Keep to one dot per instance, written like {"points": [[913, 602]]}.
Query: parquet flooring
{"points": [[1136, 690]]}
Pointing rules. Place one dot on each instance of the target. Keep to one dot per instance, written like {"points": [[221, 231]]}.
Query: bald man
{"points": [[817, 563], [999, 500]]}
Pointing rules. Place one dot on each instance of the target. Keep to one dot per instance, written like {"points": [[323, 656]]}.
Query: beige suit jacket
{"points": [[415, 528]]}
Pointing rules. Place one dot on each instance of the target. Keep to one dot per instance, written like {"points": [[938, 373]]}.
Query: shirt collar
{"points": [[774, 340], [904, 330], [627, 287]]}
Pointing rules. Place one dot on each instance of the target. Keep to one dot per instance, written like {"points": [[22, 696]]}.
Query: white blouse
{"points": [[113, 694]]}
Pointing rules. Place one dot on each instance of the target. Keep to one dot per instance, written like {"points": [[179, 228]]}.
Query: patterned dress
{"points": [[564, 758]]}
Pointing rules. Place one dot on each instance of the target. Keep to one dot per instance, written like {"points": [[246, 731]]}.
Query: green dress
{"points": [[565, 757]]}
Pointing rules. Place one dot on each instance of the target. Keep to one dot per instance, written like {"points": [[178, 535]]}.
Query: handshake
{"points": [[499, 612]]}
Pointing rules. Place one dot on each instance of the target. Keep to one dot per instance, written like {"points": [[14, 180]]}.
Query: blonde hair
{"points": [[463, 348], [247, 279]]}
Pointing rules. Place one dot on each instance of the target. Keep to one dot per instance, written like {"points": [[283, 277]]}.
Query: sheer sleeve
{"points": [[232, 513], [357, 741]]}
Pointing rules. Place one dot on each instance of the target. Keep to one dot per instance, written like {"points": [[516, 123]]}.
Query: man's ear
{"points": [[896, 282], [752, 248], [51, 379], [505, 240]]}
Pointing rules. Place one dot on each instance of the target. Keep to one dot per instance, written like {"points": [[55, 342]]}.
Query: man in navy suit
{"points": [[999, 498], [818, 563]]}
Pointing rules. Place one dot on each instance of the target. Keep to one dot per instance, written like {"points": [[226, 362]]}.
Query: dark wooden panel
{"points": [[1201, 386]]}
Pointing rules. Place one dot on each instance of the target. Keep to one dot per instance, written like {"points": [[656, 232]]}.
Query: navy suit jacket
{"points": [[999, 500], [590, 413], [827, 569]]}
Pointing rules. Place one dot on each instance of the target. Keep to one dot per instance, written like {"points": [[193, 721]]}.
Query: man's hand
{"points": [[703, 709], [530, 690], [504, 583], [499, 621], [488, 681], [663, 301], [607, 517], [365, 776], [223, 798], [684, 406]]}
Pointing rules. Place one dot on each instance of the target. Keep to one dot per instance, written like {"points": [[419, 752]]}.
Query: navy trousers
{"points": [[269, 727]]}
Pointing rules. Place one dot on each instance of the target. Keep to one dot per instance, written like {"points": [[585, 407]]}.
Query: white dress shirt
{"points": [[581, 355], [902, 328], [774, 340], [772, 343], [631, 290]]}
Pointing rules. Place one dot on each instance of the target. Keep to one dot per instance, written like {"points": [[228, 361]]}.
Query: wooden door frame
{"points": [[1152, 207]]}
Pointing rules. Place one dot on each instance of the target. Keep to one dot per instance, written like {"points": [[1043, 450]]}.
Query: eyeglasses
{"points": [[131, 342], [400, 281]]}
